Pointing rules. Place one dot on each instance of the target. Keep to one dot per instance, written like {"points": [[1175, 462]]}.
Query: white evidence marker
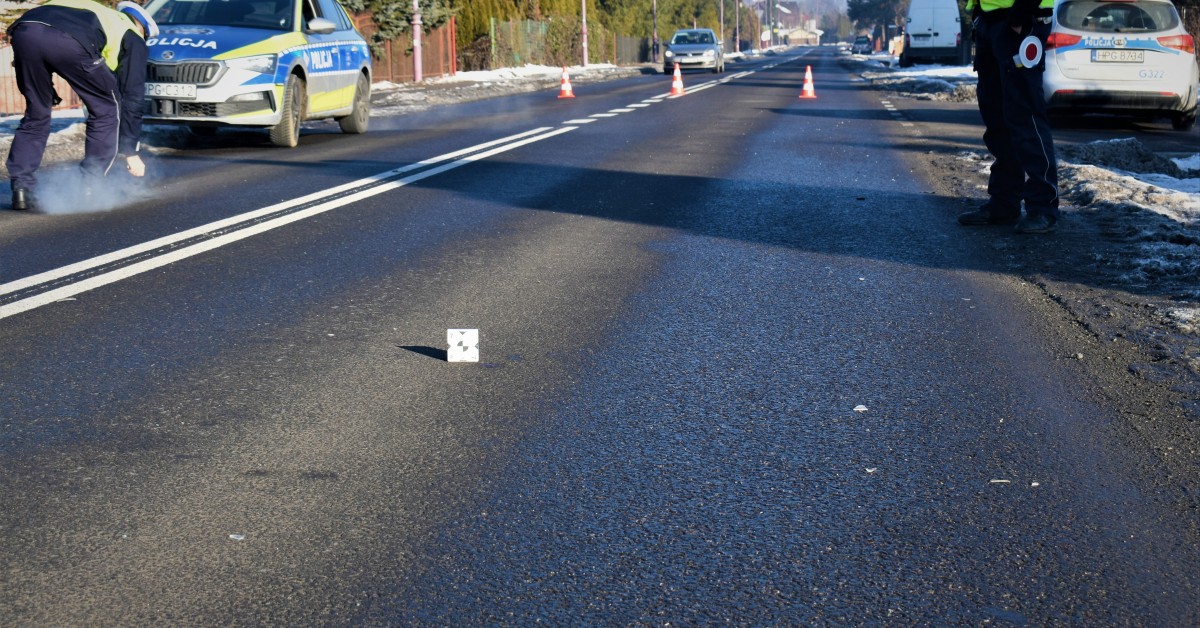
{"points": [[463, 345]]}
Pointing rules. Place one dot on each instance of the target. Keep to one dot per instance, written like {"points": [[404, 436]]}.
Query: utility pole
{"points": [[416, 29], [722, 12], [584, 13], [770, 25], [654, 46]]}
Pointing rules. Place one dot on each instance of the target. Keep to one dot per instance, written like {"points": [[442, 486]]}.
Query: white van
{"points": [[932, 33]]}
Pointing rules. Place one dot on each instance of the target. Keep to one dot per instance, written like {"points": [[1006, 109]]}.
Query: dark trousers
{"points": [[1016, 130], [39, 50]]}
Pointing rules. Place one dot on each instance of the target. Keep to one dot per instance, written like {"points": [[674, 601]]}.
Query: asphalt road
{"points": [[738, 364]]}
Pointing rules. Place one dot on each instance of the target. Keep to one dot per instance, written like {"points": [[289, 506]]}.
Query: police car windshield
{"points": [[266, 14], [682, 38], [1112, 17]]}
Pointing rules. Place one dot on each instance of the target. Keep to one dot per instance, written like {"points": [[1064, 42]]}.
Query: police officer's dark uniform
{"points": [[1013, 107], [101, 53]]}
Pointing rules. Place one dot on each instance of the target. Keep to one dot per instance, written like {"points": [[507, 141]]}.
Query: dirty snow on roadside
{"points": [[395, 99], [1150, 202]]}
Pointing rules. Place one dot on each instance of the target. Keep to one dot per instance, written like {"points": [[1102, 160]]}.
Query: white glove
{"points": [[135, 165]]}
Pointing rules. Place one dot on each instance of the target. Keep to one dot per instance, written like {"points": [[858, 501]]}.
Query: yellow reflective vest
{"points": [[992, 5], [112, 22]]}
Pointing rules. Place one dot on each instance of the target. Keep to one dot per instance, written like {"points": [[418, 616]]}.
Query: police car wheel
{"points": [[287, 132], [360, 116]]}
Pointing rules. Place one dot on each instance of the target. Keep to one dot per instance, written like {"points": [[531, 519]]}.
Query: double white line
{"points": [[35, 291]]}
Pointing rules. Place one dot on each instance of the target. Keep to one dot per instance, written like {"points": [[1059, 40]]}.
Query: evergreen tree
{"points": [[394, 17]]}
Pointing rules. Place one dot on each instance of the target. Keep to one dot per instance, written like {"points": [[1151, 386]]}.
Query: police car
{"points": [[1126, 57], [257, 63]]}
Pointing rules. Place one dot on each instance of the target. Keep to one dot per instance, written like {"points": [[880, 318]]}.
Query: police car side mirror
{"points": [[320, 26]]}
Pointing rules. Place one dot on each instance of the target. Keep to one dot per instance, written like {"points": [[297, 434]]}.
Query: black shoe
{"points": [[1037, 223], [22, 199], [989, 214]]}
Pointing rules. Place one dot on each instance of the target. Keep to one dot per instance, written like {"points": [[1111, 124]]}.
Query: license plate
{"points": [[171, 90], [1117, 56]]}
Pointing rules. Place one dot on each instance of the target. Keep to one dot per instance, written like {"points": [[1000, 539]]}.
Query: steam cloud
{"points": [[65, 189]]}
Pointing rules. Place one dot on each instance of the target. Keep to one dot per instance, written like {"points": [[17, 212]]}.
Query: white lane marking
{"points": [[138, 249], [621, 110], [72, 289], [639, 105], [90, 283], [603, 115]]}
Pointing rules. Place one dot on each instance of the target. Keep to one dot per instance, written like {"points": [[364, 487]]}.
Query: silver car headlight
{"points": [[263, 64], [710, 53], [669, 54]]}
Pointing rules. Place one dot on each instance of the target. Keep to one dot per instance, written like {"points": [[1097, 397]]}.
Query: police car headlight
{"points": [[263, 64], [251, 97]]}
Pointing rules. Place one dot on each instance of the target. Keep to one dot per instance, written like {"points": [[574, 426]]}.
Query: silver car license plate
{"points": [[1118, 56], [171, 90]]}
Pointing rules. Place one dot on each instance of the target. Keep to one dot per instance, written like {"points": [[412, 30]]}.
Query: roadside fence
{"points": [[394, 62], [11, 100], [553, 42]]}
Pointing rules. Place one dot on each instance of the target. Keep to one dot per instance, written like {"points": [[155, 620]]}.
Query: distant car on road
{"points": [[862, 46], [1129, 57], [695, 48], [258, 63]]}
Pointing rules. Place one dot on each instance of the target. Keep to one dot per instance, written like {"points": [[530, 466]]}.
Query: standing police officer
{"points": [[101, 53], [1013, 107]]}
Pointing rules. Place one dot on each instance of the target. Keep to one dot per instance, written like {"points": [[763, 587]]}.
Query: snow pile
{"points": [[927, 82], [1124, 155]]}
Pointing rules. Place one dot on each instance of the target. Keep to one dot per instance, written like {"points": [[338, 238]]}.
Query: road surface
{"points": [[737, 364]]}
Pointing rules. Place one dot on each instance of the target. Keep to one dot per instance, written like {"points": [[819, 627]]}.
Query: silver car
{"points": [[862, 46], [696, 48], [1128, 57]]}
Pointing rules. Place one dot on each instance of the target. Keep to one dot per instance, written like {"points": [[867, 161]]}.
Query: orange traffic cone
{"points": [[808, 91], [565, 90], [677, 82]]}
